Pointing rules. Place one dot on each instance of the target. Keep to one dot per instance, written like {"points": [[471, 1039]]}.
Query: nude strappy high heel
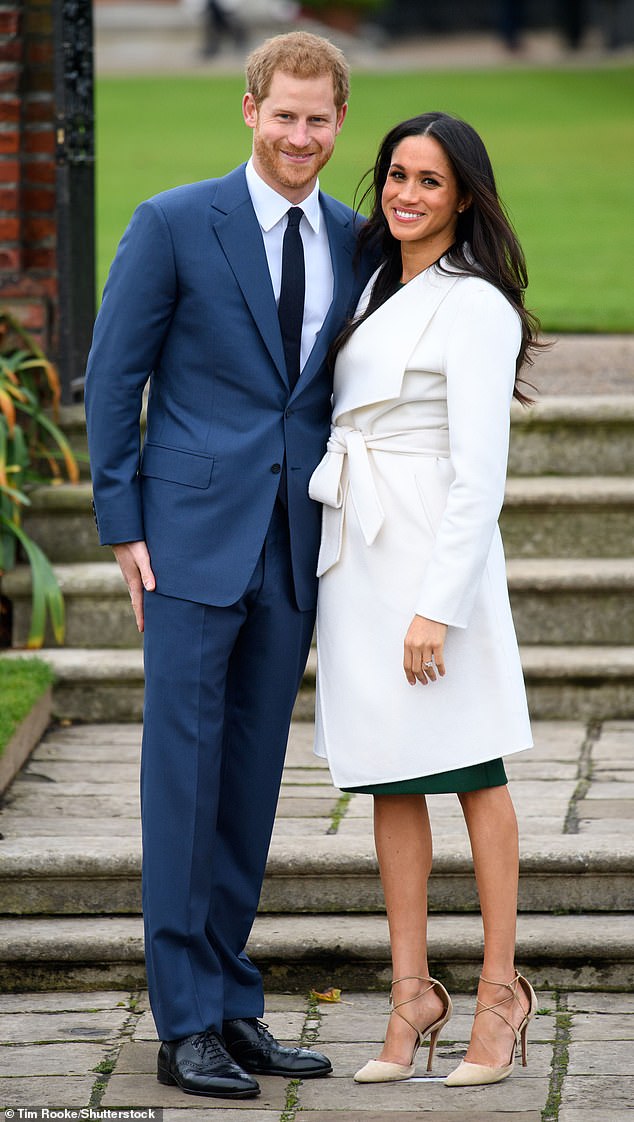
{"points": [[471, 1075], [380, 1071]]}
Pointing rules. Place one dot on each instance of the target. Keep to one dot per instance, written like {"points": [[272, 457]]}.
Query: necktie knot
{"points": [[295, 215]]}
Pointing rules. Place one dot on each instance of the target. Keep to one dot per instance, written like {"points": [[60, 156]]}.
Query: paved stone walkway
{"points": [[99, 1049]]}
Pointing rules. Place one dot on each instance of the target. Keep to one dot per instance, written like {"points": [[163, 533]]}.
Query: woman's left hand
{"points": [[423, 656]]}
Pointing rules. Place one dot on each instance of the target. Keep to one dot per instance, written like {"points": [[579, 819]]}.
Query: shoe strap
{"points": [[394, 1008], [409, 978], [495, 1008]]}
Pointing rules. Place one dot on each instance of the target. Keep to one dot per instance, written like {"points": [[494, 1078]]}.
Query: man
{"points": [[216, 536]]}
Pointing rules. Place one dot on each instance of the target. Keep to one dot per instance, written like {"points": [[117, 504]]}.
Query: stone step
{"points": [[573, 436], [587, 600], [565, 435], [295, 953], [61, 522], [568, 516], [563, 683], [558, 516], [96, 599], [332, 874], [72, 420], [572, 600]]}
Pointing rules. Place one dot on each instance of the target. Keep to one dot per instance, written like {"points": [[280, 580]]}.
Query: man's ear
{"points": [[249, 110], [341, 116]]}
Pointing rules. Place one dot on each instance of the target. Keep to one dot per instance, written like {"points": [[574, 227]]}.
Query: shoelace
{"points": [[262, 1029], [209, 1045]]}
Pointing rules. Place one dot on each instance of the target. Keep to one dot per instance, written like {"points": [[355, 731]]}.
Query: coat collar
{"points": [[391, 332]]}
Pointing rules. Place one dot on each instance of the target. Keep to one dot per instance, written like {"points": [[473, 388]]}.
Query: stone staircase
{"points": [[568, 529], [70, 869]]}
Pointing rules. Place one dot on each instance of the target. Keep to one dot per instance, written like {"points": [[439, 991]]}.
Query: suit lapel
{"points": [[389, 335], [240, 237], [239, 234]]}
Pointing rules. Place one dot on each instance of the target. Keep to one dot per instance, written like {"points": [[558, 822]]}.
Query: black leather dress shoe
{"points": [[253, 1047], [201, 1065]]}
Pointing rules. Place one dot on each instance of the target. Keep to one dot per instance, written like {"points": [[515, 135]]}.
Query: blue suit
{"points": [[189, 305]]}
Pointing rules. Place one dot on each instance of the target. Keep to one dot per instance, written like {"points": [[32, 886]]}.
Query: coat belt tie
{"points": [[328, 487]]}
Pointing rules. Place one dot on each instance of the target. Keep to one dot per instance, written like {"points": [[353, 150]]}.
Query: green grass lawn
{"points": [[561, 141], [22, 682]]}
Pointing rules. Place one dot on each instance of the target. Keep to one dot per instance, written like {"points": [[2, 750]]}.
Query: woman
{"points": [[420, 687]]}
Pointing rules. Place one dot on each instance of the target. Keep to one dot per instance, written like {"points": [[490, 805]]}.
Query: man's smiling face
{"points": [[294, 132]]}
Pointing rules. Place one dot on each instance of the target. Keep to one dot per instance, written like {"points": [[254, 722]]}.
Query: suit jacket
{"points": [[189, 305]]}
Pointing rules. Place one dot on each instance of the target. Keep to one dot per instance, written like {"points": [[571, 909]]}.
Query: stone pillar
{"points": [[46, 270], [28, 244]]}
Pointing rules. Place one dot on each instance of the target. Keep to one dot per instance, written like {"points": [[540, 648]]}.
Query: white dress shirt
{"points": [[271, 210]]}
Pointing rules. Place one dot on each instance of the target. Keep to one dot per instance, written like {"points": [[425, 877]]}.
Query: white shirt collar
{"points": [[270, 207]]}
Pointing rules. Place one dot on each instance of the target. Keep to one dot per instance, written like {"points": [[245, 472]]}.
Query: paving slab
{"points": [[578, 1114], [606, 1092], [416, 1111], [609, 789], [62, 1002], [51, 1059], [613, 1058], [102, 1025], [600, 1002], [228, 1113], [426, 1094], [56, 1091], [300, 807], [605, 1026], [20, 825], [99, 774], [290, 827], [144, 1090], [605, 809]]}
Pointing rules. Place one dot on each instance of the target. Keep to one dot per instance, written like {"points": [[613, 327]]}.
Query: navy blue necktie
{"points": [[290, 308]]}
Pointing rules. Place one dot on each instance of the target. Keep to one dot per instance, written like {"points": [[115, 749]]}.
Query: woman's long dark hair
{"points": [[485, 243]]}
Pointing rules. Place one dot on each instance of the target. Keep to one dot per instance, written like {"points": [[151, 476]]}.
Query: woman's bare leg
{"points": [[404, 849], [492, 825]]}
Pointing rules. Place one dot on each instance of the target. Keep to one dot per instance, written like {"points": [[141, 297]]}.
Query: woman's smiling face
{"points": [[421, 199]]}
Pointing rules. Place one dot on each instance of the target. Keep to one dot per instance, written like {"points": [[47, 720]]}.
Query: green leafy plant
{"points": [[33, 450]]}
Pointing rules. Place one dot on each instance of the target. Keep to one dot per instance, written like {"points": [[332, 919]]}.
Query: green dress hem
{"points": [[474, 777]]}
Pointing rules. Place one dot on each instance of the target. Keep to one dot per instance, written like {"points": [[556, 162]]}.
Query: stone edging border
{"points": [[28, 733]]}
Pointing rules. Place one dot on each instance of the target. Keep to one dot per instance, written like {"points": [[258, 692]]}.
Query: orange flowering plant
{"points": [[33, 450]]}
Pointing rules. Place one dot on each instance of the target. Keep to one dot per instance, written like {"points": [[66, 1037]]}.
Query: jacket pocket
{"points": [[433, 486], [192, 469]]}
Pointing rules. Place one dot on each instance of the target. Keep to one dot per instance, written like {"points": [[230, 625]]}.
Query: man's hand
{"points": [[424, 644], [134, 562]]}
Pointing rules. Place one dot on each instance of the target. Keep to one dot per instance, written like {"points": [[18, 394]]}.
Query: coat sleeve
{"points": [[481, 353], [130, 329]]}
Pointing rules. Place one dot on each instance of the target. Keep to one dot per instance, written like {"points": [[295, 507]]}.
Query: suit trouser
{"points": [[220, 688]]}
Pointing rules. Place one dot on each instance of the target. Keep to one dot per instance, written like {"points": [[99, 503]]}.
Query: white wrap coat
{"points": [[412, 486]]}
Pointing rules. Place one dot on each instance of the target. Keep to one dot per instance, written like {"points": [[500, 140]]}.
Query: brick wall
{"points": [[28, 246]]}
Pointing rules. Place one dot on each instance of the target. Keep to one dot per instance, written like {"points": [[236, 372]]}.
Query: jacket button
{"points": [[276, 469]]}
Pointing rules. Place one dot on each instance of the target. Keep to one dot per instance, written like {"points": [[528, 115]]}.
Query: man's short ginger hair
{"points": [[302, 55]]}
